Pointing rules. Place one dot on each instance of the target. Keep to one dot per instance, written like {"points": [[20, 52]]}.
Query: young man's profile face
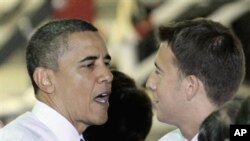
{"points": [[166, 86]]}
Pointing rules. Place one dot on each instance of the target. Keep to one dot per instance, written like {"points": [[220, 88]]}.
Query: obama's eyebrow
{"points": [[89, 58], [93, 57]]}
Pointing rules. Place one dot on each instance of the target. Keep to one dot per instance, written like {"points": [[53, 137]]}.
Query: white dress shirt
{"points": [[176, 135], [42, 124]]}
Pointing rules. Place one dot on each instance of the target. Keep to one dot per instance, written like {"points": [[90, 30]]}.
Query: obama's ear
{"points": [[43, 79]]}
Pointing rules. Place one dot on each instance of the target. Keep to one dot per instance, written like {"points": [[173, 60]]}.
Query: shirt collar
{"points": [[195, 138], [176, 135], [58, 124]]}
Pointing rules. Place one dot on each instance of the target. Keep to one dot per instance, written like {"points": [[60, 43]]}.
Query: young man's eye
{"points": [[157, 71]]}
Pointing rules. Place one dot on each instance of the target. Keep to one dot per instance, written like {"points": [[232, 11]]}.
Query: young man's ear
{"points": [[192, 86], [43, 79]]}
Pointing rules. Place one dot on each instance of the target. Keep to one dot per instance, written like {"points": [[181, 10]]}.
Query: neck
{"points": [[195, 117], [60, 108], [189, 133]]}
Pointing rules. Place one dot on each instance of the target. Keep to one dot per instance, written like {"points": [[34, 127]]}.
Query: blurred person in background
{"points": [[129, 115], [199, 66], [80, 9], [68, 65], [243, 116], [216, 127]]}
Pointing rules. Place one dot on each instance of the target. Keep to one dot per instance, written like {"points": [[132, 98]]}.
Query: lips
{"points": [[103, 98]]}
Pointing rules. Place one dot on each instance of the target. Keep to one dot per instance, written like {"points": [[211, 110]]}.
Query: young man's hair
{"points": [[211, 52]]}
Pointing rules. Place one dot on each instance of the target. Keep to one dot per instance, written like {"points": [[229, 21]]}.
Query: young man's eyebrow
{"points": [[157, 66]]}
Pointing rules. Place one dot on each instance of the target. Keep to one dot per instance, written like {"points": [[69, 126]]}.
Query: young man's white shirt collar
{"points": [[176, 135], [58, 124]]}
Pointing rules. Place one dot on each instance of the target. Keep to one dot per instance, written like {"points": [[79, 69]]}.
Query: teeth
{"points": [[104, 95], [102, 98]]}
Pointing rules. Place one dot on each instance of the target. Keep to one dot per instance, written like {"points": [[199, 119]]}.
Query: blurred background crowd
{"points": [[128, 27]]}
